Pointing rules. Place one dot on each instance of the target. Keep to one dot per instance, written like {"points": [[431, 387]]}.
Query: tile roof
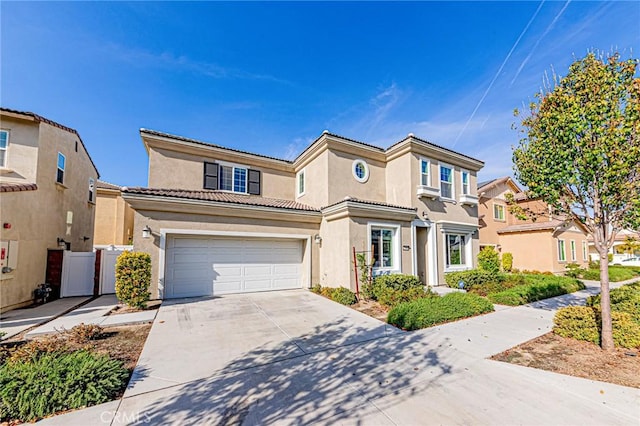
{"points": [[535, 226], [426, 142], [42, 119], [106, 185], [182, 138], [221, 197], [486, 182], [372, 203], [17, 187]]}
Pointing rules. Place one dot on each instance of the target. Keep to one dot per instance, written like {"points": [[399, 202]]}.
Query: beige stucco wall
{"points": [[22, 152], [199, 222], [39, 217], [316, 176], [342, 183], [173, 169], [114, 219]]}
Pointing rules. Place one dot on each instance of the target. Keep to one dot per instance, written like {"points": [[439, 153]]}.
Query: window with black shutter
{"points": [[254, 182], [210, 176]]}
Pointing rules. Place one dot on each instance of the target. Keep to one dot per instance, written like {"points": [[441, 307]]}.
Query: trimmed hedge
{"points": [[539, 287], [507, 262], [473, 277], [133, 277], [623, 299], [390, 290], [489, 260], [430, 311], [52, 382], [577, 322]]}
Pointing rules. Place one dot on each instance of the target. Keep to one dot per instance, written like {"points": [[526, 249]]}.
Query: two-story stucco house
{"points": [[47, 200], [114, 218], [547, 243], [218, 220]]}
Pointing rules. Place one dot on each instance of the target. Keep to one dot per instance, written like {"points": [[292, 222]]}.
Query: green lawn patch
{"points": [[430, 311], [617, 273]]}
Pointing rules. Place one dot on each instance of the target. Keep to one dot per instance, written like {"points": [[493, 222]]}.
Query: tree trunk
{"points": [[605, 302]]}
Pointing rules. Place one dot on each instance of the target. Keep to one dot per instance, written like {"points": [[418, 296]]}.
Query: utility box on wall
{"points": [[8, 257]]}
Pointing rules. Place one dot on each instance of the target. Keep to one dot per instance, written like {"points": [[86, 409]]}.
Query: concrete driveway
{"points": [[296, 358]]}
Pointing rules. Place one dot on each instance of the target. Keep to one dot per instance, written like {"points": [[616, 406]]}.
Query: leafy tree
{"points": [[580, 153], [630, 245]]}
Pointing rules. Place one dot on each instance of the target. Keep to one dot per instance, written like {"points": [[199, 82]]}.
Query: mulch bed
{"points": [[124, 309], [576, 358]]}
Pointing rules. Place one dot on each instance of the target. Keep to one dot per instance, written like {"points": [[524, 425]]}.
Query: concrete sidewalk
{"points": [[18, 320], [94, 312]]}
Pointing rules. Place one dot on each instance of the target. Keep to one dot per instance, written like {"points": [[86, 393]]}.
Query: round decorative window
{"points": [[360, 170]]}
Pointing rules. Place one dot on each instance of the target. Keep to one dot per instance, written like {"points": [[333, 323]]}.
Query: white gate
{"points": [[78, 270], [108, 271]]}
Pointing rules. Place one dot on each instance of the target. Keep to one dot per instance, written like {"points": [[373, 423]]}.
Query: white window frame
{"points": [[233, 176], [364, 178], [562, 255], [585, 252], [574, 255], [64, 167], [453, 181], [92, 190], [504, 212], [301, 175], [464, 173], [423, 175], [5, 149], [463, 250], [397, 252]]}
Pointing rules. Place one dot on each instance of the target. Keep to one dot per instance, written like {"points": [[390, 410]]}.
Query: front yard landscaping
{"points": [[572, 348], [84, 366], [616, 273]]}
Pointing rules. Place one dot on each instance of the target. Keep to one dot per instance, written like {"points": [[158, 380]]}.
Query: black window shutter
{"points": [[254, 182], [210, 176]]}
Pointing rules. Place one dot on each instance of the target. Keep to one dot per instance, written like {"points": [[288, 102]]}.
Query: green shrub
{"points": [[610, 257], [390, 297], [626, 330], [489, 260], [539, 287], [429, 311], [316, 288], [343, 295], [57, 381], [397, 281], [472, 277], [133, 277], [507, 262], [578, 322], [623, 299]]}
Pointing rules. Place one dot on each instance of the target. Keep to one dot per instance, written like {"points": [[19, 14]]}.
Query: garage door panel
{"points": [[214, 265]]}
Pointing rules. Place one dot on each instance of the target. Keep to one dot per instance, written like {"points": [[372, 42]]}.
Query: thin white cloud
{"points": [[168, 60], [535, 46], [495, 77]]}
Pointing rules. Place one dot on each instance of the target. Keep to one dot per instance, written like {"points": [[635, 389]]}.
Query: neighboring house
{"points": [[47, 197], [619, 249], [547, 244], [114, 218], [218, 220]]}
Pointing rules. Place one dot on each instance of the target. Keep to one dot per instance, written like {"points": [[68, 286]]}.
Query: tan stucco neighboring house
{"points": [[114, 218], [547, 244], [218, 220], [47, 200]]}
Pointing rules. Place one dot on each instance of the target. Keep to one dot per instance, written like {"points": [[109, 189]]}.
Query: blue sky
{"points": [[270, 77]]}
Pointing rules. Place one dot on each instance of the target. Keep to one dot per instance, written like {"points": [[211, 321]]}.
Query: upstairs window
{"points": [[4, 144], [61, 165], [498, 212], [424, 173], [465, 183], [231, 178], [91, 190], [446, 182], [300, 181]]}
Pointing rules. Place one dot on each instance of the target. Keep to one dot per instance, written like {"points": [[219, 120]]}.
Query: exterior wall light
{"points": [[317, 239], [146, 232]]}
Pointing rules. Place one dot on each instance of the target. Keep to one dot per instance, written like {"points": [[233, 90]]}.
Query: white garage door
{"points": [[201, 266]]}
